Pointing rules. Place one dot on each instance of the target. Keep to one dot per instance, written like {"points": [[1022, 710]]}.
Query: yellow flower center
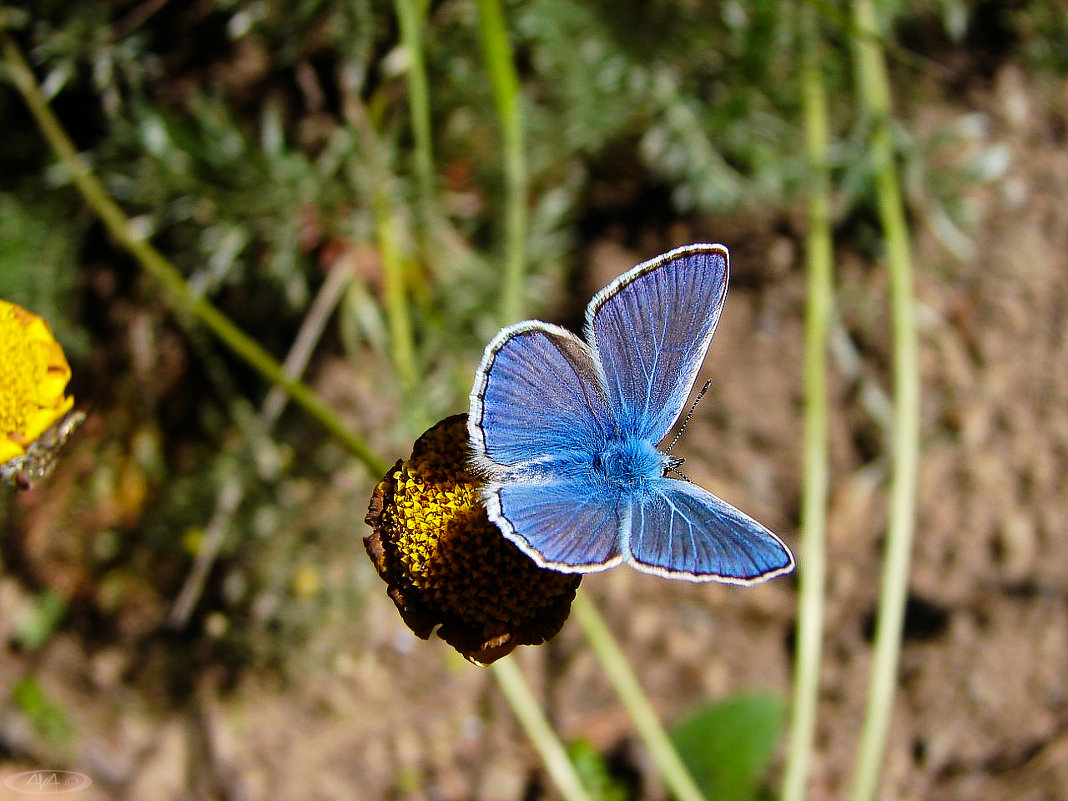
{"points": [[33, 376]]}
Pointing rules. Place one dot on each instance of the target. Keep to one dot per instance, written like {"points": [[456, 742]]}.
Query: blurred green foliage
{"points": [[48, 718], [39, 241], [40, 620], [247, 137], [595, 773], [728, 745]]}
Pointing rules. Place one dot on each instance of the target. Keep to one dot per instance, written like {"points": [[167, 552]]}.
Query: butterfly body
{"points": [[565, 433], [628, 463]]}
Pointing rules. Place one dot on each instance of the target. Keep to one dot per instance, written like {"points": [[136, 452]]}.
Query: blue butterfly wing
{"points": [[537, 400], [569, 526], [650, 330], [678, 530]]}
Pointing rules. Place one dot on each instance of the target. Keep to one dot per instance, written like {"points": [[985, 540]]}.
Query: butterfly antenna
{"points": [[686, 420]]}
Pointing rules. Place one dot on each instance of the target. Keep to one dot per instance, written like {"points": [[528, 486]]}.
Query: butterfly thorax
{"points": [[628, 462]]}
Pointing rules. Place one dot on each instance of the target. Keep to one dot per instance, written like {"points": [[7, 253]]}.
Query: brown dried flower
{"points": [[448, 566]]}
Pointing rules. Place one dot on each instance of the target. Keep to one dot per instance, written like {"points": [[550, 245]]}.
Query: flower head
{"points": [[448, 565], [34, 419]]}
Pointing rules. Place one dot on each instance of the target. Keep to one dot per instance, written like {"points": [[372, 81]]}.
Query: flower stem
{"points": [[526, 708], [812, 561], [411, 28], [394, 274], [497, 51], [875, 94], [232, 492], [615, 666]]}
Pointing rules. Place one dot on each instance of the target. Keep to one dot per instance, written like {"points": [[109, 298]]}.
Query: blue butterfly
{"points": [[565, 433]]}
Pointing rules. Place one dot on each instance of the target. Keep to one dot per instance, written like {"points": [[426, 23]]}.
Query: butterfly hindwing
{"points": [[680, 530], [650, 330], [572, 526]]}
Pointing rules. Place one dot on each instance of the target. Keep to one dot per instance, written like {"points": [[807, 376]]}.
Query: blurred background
{"points": [[267, 150]]}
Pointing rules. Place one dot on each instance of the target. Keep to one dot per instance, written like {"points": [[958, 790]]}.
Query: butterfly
{"points": [[564, 432]]}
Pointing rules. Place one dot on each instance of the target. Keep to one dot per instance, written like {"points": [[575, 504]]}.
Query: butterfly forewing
{"points": [[537, 399], [651, 328]]}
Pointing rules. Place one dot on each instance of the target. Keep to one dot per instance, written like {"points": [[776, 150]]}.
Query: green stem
{"points": [[376, 175], [875, 93], [396, 295], [163, 271], [526, 708], [921, 64], [665, 757], [497, 51], [812, 563], [410, 18]]}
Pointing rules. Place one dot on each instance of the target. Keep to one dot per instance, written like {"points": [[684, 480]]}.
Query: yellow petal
{"points": [[33, 378]]}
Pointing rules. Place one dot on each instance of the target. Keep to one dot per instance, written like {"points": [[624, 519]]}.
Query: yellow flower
{"points": [[448, 566], [33, 409]]}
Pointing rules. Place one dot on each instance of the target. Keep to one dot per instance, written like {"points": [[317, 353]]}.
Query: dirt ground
{"points": [[370, 712]]}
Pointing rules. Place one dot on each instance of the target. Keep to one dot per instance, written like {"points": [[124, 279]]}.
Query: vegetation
{"points": [[452, 159]]}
